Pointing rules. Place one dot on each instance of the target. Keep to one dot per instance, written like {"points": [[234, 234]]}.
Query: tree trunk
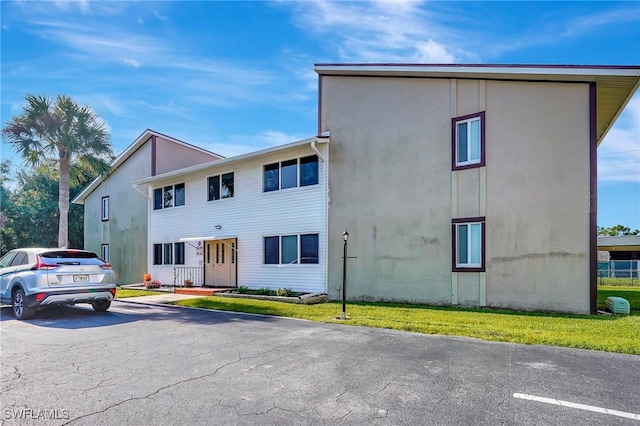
{"points": [[63, 201]]}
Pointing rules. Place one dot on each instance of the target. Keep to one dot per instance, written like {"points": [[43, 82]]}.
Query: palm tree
{"points": [[62, 130]]}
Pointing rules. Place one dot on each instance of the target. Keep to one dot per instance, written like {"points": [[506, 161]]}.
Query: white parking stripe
{"points": [[624, 414]]}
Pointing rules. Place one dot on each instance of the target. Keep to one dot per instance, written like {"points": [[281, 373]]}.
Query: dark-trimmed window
{"points": [[105, 209], [178, 255], [169, 196], [293, 173], [104, 251], [157, 254], [291, 249], [468, 244], [220, 186], [468, 141], [168, 254]]}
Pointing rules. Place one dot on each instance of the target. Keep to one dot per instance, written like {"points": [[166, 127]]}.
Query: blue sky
{"points": [[234, 77]]}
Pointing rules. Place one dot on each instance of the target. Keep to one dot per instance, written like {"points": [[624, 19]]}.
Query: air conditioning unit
{"points": [[617, 305]]}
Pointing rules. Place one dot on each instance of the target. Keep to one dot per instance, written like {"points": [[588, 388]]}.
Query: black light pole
{"points": [[345, 238]]}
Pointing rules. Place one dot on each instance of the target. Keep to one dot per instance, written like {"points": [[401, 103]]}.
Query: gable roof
{"points": [[140, 140], [615, 85]]}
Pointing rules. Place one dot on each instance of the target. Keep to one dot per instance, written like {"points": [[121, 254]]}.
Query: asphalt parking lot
{"points": [[145, 364]]}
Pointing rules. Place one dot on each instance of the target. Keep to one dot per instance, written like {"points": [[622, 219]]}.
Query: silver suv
{"points": [[32, 279]]}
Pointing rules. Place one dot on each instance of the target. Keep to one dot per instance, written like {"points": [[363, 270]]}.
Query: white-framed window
{"points": [[292, 173], [468, 244], [169, 196], [105, 209], [291, 249], [104, 251], [178, 253], [468, 141], [220, 186]]}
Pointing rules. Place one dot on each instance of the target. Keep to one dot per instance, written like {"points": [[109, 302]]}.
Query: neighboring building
{"points": [[116, 215], [468, 184], [257, 220]]}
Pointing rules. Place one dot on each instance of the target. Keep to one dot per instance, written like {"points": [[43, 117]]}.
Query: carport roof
{"points": [[615, 85], [619, 243]]}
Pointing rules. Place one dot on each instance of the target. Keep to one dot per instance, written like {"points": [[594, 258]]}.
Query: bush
{"points": [[153, 284], [242, 289], [265, 292], [287, 292]]}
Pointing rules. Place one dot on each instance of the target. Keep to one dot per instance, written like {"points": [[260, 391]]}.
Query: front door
{"points": [[220, 263]]}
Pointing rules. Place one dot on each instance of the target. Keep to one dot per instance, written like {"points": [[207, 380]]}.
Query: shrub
{"points": [[153, 284], [287, 292], [265, 292], [243, 289]]}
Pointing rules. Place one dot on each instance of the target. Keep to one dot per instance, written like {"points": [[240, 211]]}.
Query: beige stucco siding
{"points": [[538, 195], [391, 185], [172, 156], [389, 182], [126, 229]]}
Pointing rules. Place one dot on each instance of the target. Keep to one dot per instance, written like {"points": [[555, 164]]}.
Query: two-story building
{"points": [[257, 220], [468, 184]]}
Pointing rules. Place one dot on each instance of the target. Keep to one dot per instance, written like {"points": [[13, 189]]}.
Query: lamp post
{"points": [[345, 238]]}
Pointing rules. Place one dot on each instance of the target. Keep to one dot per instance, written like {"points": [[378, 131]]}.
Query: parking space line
{"points": [[624, 414]]}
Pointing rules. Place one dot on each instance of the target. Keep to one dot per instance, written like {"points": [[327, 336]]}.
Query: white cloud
{"points": [[619, 152], [381, 31]]}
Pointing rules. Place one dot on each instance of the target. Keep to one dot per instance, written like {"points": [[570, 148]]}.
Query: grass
{"points": [[604, 281], [603, 333], [122, 293]]}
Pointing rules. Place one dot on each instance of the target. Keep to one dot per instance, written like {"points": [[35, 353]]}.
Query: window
{"points": [[179, 188], [468, 141], [105, 209], [178, 255], [468, 244], [220, 186], [291, 249], [168, 253], [104, 250], [157, 254], [291, 174], [169, 196]]}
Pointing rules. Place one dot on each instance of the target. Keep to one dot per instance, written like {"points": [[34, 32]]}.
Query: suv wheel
{"points": [[101, 306], [20, 309]]}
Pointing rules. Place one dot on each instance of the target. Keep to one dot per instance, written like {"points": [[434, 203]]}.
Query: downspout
{"points": [[139, 191]]}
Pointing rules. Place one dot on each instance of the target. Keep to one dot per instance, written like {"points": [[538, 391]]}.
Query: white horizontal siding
{"points": [[250, 215]]}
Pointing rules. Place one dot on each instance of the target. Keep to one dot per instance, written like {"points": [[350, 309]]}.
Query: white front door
{"points": [[220, 263]]}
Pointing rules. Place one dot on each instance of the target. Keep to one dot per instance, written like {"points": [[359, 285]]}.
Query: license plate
{"points": [[80, 278]]}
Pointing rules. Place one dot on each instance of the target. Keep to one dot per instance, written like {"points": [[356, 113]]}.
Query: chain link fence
{"points": [[619, 272]]}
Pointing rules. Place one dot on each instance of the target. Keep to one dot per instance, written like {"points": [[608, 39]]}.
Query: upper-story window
{"points": [[220, 186], [105, 209], [291, 173], [468, 141], [168, 196]]}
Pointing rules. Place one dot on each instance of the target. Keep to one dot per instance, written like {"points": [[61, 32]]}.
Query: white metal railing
{"points": [[193, 273]]}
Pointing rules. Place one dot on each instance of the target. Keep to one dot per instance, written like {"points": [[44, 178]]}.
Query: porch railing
{"points": [[193, 273]]}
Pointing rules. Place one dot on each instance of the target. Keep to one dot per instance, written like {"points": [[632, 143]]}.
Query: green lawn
{"points": [[122, 293], [604, 333]]}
